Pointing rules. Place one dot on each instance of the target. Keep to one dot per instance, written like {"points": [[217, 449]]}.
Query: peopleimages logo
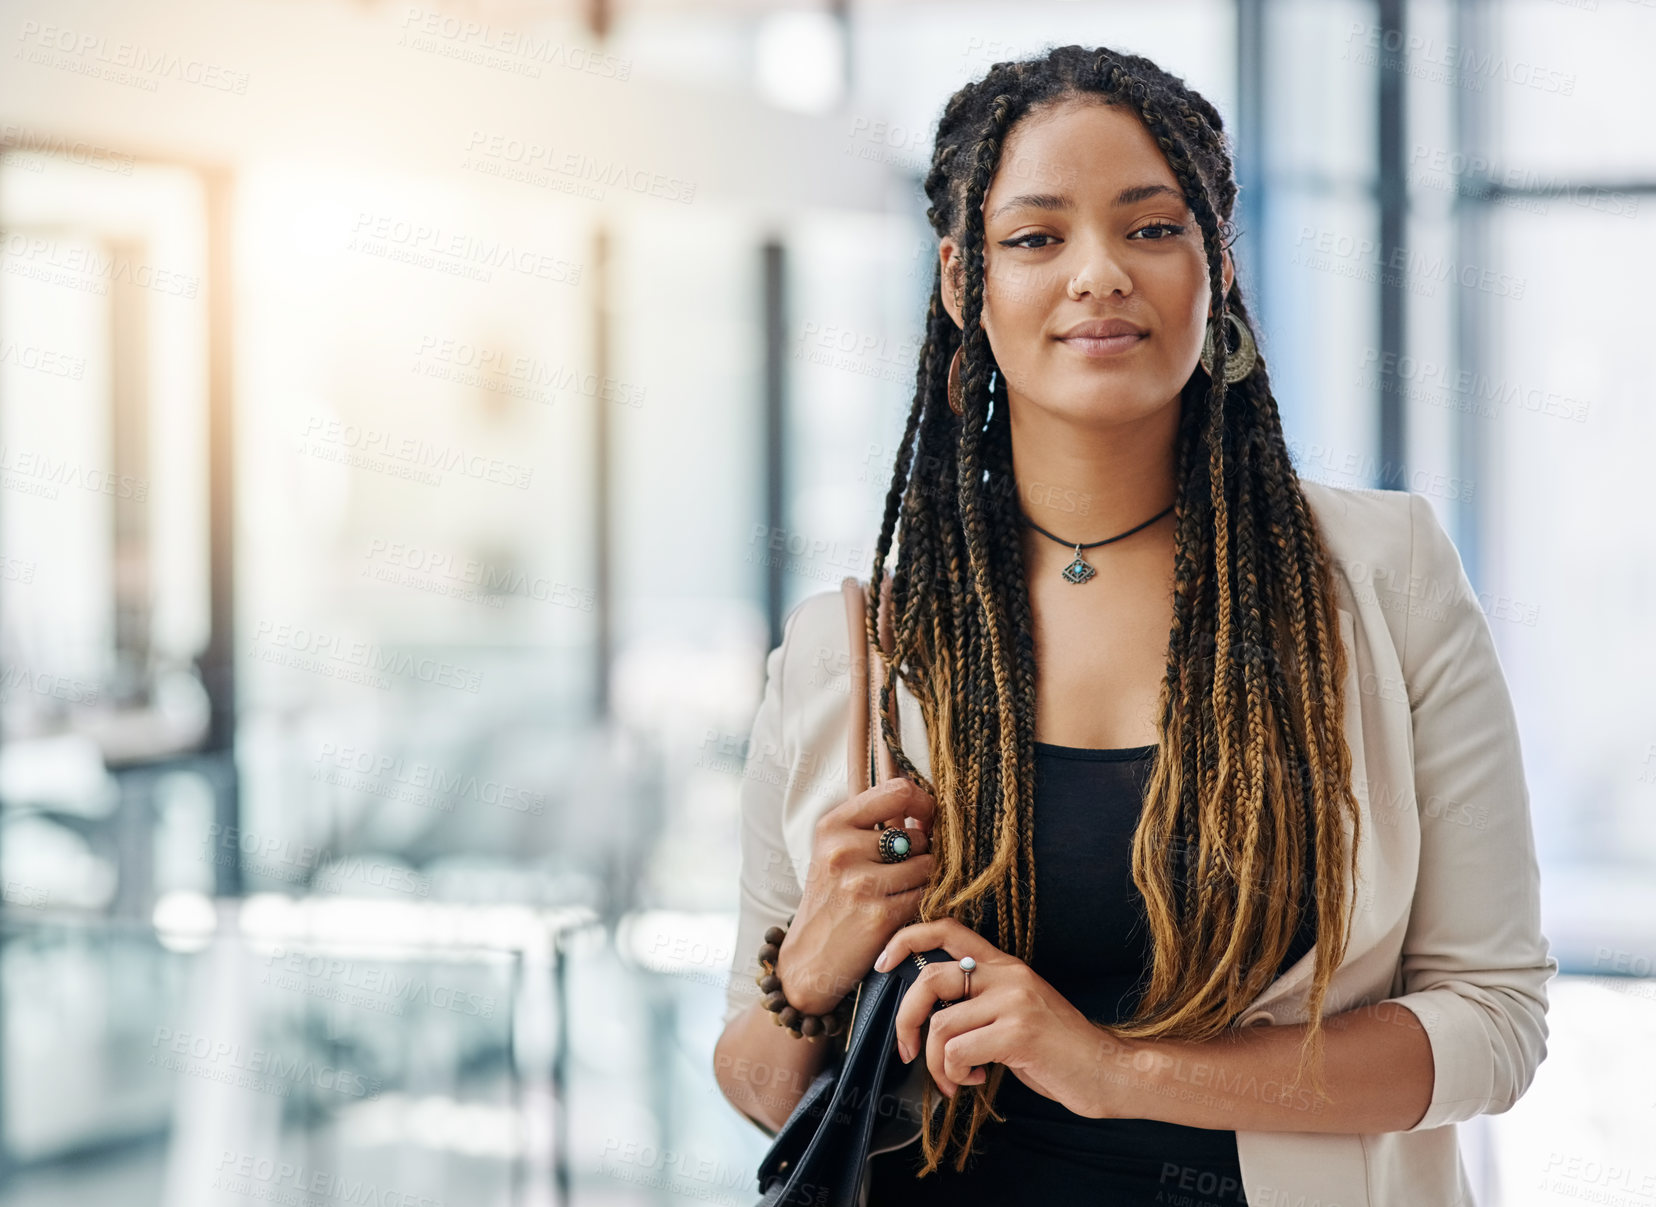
{"points": [[447, 573], [428, 245], [89, 269], [252, 1067], [360, 983], [533, 162], [14, 679], [129, 63], [258, 1177], [515, 373], [46, 361], [370, 771], [372, 443], [311, 649], [76, 151], [322, 868], [488, 45], [29, 471]]}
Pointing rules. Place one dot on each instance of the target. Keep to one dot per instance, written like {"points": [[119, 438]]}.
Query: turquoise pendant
{"points": [[1079, 571]]}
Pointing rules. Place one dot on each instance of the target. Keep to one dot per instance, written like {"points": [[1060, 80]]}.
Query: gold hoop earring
{"points": [[957, 395], [1241, 360]]}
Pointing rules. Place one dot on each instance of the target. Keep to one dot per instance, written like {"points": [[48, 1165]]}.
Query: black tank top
{"points": [[1092, 944]]}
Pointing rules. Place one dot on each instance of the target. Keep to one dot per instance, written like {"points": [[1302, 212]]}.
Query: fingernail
{"points": [[902, 1050], [880, 964]]}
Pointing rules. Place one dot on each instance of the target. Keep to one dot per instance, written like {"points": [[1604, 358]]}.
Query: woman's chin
{"points": [[1083, 405]]}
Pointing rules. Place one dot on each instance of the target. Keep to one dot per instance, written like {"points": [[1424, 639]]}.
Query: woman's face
{"points": [[1085, 223]]}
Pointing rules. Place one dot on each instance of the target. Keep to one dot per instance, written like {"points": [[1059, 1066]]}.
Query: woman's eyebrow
{"points": [[1058, 201]]}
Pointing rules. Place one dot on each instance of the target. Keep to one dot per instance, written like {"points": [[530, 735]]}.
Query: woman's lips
{"points": [[1104, 345]]}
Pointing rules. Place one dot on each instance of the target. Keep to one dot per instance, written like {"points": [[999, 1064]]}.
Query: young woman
{"points": [[1212, 772]]}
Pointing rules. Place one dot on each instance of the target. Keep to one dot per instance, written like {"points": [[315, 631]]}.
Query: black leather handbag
{"points": [[866, 1100], [863, 1102]]}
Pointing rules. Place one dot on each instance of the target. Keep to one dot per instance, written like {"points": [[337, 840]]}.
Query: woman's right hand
{"points": [[853, 901]]}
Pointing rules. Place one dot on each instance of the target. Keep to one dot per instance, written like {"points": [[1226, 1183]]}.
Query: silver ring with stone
{"points": [[895, 845], [967, 966]]}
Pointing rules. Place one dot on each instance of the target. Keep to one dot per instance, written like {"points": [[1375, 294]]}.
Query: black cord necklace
{"points": [[1079, 571]]}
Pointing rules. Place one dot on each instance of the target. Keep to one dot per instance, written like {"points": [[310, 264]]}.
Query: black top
{"points": [[1092, 944]]}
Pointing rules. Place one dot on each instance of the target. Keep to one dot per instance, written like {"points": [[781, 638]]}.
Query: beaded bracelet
{"points": [[805, 1026]]}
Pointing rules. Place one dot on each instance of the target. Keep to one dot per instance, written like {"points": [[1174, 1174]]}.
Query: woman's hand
{"points": [[853, 900], [1014, 1017]]}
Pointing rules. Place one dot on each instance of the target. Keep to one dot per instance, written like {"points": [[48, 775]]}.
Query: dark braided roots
{"points": [[1253, 774]]}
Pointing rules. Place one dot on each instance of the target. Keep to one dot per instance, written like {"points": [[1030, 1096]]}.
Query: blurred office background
{"points": [[416, 417]]}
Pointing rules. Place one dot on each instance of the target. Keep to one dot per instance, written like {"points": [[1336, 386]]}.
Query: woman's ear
{"points": [[948, 252]]}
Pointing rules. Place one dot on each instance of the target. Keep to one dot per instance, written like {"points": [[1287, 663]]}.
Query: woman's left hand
{"points": [[1014, 1017]]}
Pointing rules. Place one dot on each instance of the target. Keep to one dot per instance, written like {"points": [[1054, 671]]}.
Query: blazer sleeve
{"points": [[770, 891], [1475, 964]]}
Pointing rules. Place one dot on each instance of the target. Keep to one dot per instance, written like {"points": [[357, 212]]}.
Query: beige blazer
{"points": [[1446, 916]]}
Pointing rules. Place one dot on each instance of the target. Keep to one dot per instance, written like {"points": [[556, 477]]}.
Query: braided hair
{"points": [[1252, 782]]}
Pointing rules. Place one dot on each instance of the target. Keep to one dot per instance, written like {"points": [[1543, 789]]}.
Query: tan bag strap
{"points": [[867, 676]]}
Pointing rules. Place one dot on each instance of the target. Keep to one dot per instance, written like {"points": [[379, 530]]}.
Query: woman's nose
{"points": [[1098, 272]]}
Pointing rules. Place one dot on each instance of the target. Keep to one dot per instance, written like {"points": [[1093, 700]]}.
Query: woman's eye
{"points": [[1163, 231], [1023, 241], [1174, 231]]}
